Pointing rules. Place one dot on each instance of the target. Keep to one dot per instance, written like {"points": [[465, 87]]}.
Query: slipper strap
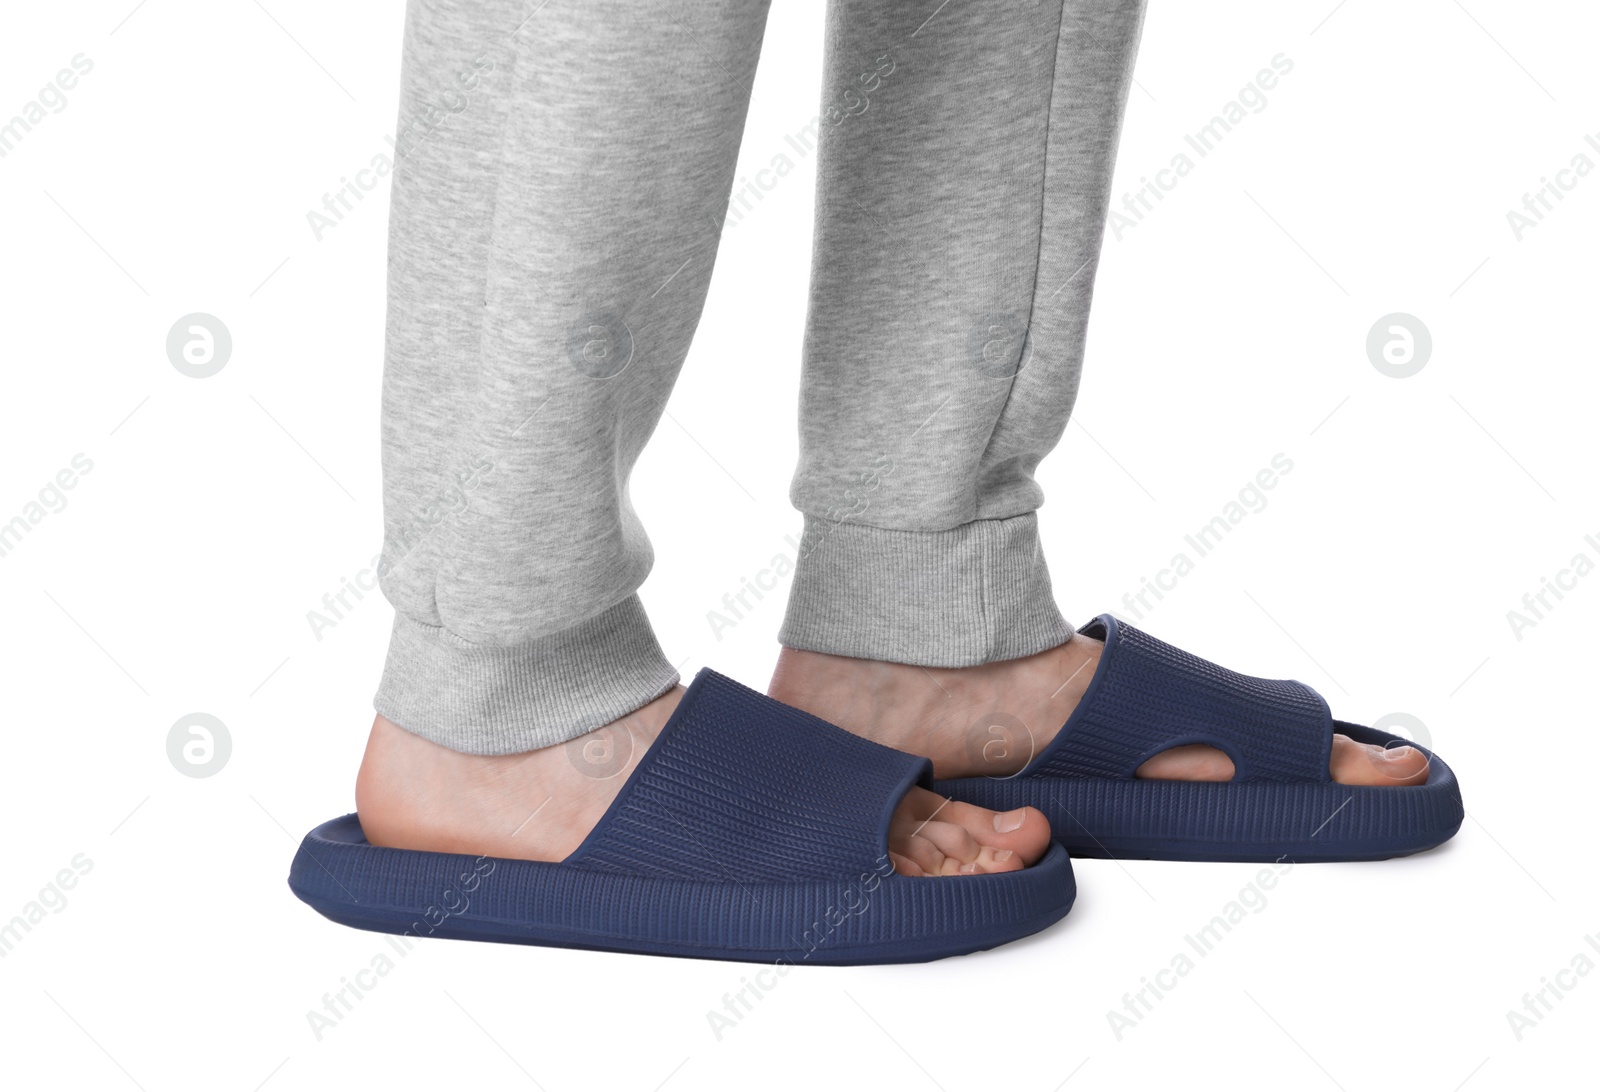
{"points": [[1148, 696], [740, 785]]}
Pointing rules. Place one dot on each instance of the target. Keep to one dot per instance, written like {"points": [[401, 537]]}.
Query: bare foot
{"points": [[540, 805], [991, 720]]}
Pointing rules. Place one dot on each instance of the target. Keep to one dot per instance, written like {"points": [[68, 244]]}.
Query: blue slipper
{"points": [[1282, 803], [748, 831]]}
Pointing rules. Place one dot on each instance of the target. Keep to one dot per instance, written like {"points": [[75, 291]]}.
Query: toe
{"points": [[1024, 831], [936, 836], [1353, 763], [920, 852], [905, 865], [958, 847], [999, 860]]}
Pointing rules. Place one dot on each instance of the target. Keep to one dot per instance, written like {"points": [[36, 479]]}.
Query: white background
{"points": [[1229, 326]]}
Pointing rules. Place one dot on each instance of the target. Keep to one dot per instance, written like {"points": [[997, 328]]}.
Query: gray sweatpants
{"points": [[562, 171]]}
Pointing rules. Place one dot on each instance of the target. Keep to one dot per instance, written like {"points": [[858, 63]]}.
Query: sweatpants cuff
{"points": [[497, 701], [972, 595]]}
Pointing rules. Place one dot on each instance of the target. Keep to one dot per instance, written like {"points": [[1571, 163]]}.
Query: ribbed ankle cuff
{"points": [[499, 701], [972, 595]]}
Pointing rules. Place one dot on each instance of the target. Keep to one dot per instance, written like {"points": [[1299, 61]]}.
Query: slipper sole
{"points": [[868, 918]]}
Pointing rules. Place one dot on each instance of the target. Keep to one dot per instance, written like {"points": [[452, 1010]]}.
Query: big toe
{"points": [[1353, 763], [939, 836], [1023, 831]]}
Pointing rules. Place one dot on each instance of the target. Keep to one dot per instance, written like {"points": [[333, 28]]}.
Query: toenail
{"points": [[1007, 821], [968, 868], [1004, 855], [1395, 754]]}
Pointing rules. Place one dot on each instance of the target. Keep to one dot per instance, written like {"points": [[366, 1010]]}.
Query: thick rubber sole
{"points": [[868, 918], [1250, 821]]}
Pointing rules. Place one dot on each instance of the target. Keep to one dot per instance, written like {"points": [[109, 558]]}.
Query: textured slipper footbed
{"points": [[1282, 805], [749, 831]]}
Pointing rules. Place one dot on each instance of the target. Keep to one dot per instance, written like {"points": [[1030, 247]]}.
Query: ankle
{"points": [[854, 694], [537, 805], [983, 719]]}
